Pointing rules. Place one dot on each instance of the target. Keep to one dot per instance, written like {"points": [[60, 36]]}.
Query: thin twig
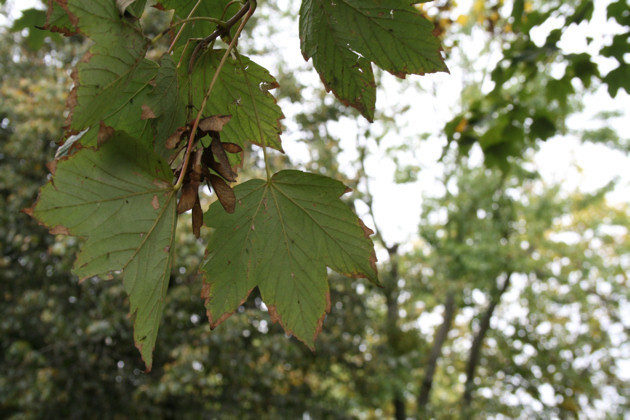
{"points": [[183, 22], [223, 30], [370, 202], [193, 132], [181, 29]]}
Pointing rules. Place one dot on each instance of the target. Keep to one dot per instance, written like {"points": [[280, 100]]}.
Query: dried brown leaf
{"points": [[175, 138], [214, 123], [232, 147], [224, 193], [221, 164], [188, 198], [197, 218]]}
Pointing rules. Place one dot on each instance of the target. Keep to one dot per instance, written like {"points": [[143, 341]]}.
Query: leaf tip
{"points": [[29, 211], [320, 321], [147, 358], [52, 166]]}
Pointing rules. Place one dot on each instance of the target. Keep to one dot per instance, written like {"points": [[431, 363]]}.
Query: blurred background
{"points": [[499, 194]]}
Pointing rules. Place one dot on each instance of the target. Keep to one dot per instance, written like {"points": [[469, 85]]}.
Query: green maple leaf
{"points": [[345, 36], [113, 78], [242, 91], [165, 105], [33, 20], [120, 199], [282, 236], [59, 19]]}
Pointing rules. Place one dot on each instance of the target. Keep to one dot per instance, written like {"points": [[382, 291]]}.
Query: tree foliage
{"points": [[120, 194], [67, 347]]}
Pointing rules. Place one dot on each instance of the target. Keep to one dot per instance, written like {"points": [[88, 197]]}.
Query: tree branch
{"points": [[223, 29], [193, 131], [475, 350], [436, 352]]}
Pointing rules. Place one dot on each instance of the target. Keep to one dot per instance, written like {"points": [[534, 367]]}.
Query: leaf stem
{"points": [[262, 140], [181, 29], [193, 132], [218, 22], [222, 30], [268, 172]]}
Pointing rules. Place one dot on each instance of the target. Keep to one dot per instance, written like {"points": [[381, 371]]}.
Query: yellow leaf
{"points": [[463, 123]]}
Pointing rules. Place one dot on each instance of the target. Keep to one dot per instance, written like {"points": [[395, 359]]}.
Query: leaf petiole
{"points": [[193, 132]]}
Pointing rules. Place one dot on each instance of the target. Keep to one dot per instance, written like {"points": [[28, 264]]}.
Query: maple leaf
{"points": [[120, 199], [59, 19], [164, 102], [242, 91], [113, 76], [345, 36], [282, 236]]}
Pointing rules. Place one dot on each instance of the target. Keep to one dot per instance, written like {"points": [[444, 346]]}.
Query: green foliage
{"points": [[281, 238], [33, 20], [134, 111], [120, 198], [527, 104], [345, 37]]}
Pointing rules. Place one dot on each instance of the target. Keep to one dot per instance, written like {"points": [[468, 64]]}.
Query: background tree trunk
{"points": [[436, 352], [475, 350]]}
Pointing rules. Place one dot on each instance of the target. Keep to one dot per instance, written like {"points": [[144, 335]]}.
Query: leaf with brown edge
{"points": [[281, 237], [344, 38], [60, 19], [120, 199], [114, 76]]}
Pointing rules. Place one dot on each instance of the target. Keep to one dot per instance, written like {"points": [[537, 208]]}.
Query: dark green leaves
{"points": [[280, 239], [120, 199], [344, 37]]}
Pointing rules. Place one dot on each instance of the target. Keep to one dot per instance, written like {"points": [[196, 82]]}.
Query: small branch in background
{"points": [[475, 350], [436, 352]]}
